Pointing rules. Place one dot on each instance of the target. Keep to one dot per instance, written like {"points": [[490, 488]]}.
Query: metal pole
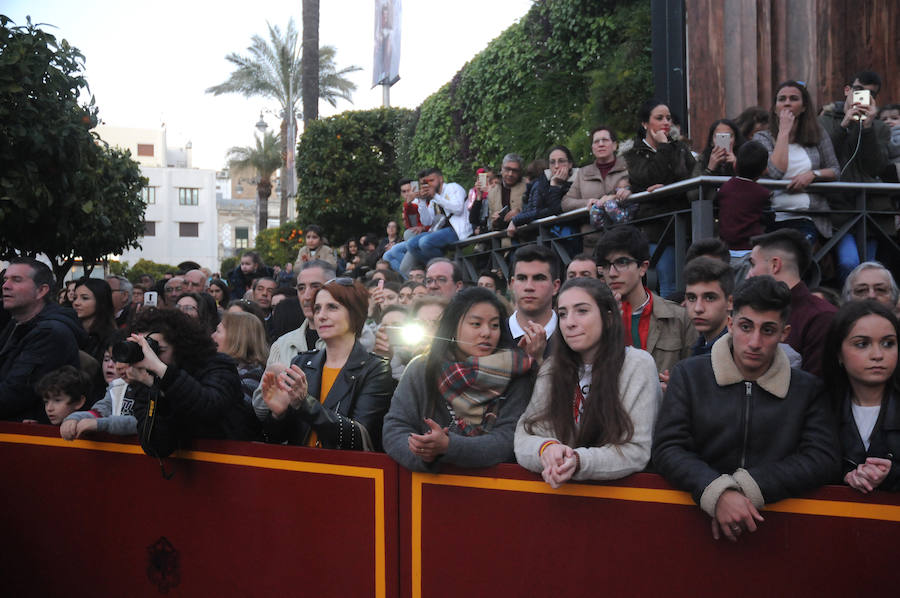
{"points": [[386, 95]]}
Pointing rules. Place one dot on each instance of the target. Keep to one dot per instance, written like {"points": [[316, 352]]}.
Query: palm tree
{"points": [[265, 159], [272, 69]]}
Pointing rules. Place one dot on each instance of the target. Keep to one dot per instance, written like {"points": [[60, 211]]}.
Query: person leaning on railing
{"points": [[656, 160], [597, 181]]}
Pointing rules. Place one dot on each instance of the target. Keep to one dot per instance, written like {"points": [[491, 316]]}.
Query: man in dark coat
{"points": [[40, 337]]}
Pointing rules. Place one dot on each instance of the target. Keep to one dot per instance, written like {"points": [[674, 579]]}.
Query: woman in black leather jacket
{"points": [[335, 397], [862, 374]]}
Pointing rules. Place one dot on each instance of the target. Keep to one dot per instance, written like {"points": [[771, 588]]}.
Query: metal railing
{"points": [[698, 221]]}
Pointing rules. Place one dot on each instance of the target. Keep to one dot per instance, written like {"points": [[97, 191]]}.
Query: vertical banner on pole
{"points": [[386, 69]]}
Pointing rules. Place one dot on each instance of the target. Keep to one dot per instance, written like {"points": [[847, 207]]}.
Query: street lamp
{"points": [[261, 125]]}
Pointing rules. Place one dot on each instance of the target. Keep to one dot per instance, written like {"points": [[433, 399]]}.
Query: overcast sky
{"points": [[149, 63]]}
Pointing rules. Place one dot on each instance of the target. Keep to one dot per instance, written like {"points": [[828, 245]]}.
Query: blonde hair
{"points": [[245, 338]]}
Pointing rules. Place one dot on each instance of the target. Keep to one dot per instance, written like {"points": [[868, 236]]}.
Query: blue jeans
{"points": [[431, 245], [395, 254], [848, 256], [665, 270]]}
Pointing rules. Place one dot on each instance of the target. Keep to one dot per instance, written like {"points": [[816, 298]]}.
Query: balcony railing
{"points": [[698, 221]]}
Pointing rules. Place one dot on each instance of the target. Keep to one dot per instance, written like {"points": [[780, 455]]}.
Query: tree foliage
{"points": [[280, 245], [348, 170], [63, 192], [142, 266], [565, 67]]}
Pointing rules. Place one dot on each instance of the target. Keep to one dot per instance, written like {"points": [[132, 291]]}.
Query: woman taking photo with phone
{"points": [[594, 403], [862, 375], [335, 397], [656, 160], [459, 403], [722, 143], [799, 150]]}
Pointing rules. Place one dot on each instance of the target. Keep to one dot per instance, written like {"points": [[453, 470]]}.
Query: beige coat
{"points": [[324, 253], [589, 184]]}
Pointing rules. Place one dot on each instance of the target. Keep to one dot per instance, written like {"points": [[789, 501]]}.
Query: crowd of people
{"points": [[577, 371]]}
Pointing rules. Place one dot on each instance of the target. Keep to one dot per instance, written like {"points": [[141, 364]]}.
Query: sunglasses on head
{"points": [[342, 280]]}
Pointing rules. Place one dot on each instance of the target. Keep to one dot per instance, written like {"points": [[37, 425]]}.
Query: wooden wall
{"points": [[739, 50]]}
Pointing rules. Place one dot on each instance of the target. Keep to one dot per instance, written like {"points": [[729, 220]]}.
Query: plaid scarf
{"points": [[472, 387]]}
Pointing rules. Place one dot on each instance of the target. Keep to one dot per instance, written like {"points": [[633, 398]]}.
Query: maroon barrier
{"points": [[504, 532], [96, 518]]}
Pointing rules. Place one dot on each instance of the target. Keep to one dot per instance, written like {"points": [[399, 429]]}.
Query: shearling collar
{"points": [[776, 380]]}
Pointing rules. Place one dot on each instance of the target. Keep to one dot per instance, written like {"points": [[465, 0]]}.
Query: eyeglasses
{"points": [[439, 280], [186, 308], [619, 264], [511, 170], [344, 281]]}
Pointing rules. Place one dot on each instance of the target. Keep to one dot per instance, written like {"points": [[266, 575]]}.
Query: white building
{"points": [[181, 220]]}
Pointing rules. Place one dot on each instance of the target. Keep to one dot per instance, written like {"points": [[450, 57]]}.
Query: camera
{"points": [[131, 352]]}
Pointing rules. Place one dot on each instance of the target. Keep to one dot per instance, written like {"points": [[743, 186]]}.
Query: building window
{"points": [[145, 149], [188, 229], [149, 195], [150, 229], [241, 237], [188, 196]]}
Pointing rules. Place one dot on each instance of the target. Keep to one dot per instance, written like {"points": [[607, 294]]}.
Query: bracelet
{"points": [[545, 445], [577, 463]]}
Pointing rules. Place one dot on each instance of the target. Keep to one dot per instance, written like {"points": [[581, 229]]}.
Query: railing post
{"points": [[702, 217]]}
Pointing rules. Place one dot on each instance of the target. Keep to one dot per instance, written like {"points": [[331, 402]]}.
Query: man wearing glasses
{"points": [[505, 200], [660, 327], [443, 278]]}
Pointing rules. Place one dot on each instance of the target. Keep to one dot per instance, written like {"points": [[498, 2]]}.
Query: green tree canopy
{"points": [[63, 192]]}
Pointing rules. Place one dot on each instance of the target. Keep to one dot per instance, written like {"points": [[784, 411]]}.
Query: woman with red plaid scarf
{"points": [[595, 400], [459, 402]]}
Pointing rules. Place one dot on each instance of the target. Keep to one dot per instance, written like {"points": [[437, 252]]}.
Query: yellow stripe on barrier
{"points": [[373, 473], [800, 506]]}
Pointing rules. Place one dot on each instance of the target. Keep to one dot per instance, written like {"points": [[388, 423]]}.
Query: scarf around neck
{"points": [[472, 388], [643, 323]]}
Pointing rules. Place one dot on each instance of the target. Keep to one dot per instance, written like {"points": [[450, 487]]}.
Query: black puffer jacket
{"points": [[47, 342], [670, 163], [776, 437], [351, 415], [205, 403]]}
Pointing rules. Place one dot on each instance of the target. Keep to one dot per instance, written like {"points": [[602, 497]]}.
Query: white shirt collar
{"points": [[549, 327]]}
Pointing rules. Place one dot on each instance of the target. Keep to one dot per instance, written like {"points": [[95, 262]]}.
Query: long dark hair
{"points": [[104, 313], [605, 421], [444, 348], [836, 380], [735, 131], [808, 128]]}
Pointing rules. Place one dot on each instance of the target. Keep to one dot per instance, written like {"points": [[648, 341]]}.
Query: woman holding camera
{"points": [[195, 391], [334, 397], [594, 403], [459, 403], [656, 160]]}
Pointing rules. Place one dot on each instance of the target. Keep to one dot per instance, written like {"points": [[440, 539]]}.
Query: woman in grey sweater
{"points": [[595, 401], [459, 403]]}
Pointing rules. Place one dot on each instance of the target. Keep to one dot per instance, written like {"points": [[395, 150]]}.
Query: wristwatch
{"points": [[817, 174]]}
